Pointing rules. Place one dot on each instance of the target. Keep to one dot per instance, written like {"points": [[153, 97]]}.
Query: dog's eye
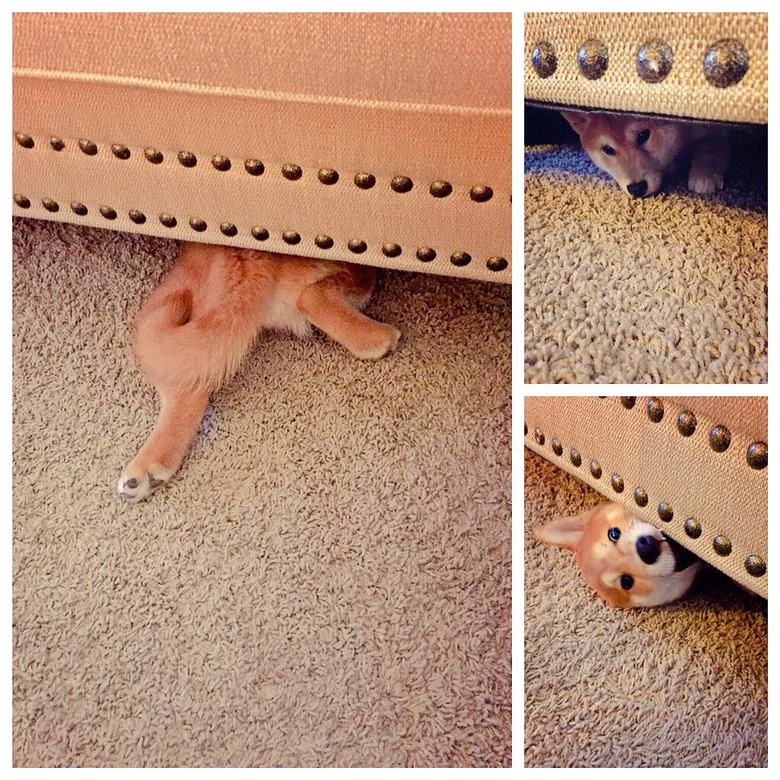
{"points": [[642, 137], [626, 582], [608, 150], [613, 534]]}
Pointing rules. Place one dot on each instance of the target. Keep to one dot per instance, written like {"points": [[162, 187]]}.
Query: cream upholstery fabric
{"points": [[684, 92], [718, 490], [421, 96]]}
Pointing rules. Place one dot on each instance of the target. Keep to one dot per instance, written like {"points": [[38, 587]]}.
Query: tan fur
{"points": [[604, 563], [644, 150], [197, 326]]}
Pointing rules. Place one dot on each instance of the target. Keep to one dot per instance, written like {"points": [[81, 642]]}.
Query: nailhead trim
{"points": [[439, 189], [723, 65], [479, 193], [325, 242]]}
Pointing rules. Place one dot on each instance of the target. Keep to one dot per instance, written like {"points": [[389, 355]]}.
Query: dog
{"points": [[197, 326], [629, 562], [640, 152]]}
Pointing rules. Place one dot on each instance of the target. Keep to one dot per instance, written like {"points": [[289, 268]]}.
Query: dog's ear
{"points": [[563, 532], [577, 119]]}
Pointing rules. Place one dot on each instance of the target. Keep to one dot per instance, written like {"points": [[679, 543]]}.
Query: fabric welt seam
{"points": [[232, 92]]}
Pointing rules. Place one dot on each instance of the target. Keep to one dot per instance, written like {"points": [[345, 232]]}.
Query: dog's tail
{"points": [[180, 348]]}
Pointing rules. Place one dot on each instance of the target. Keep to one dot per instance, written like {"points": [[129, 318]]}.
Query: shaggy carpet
{"points": [[326, 582], [666, 289], [682, 685]]}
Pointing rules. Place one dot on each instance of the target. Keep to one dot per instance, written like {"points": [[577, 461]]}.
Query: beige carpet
{"points": [[683, 685], [667, 289], [326, 582]]}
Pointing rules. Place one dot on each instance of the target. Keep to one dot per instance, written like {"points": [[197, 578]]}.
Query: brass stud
{"points": [[50, 205], [655, 410], [617, 483], [168, 220], [460, 259], [686, 423], [480, 193], [364, 180], [721, 545], [56, 143], [575, 457], [120, 151], [539, 436], [720, 438], [137, 216], [357, 246], [725, 63], [557, 447], [324, 242], [199, 225], [755, 566], [665, 512], [24, 140], [654, 61], [593, 59], [254, 167], [327, 175], [187, 159], [425, 254], [228, 229], [292, 172], [628, 401], [496, 264], [22, 201], [220, 162], [595, 469], [758, 455], [79, 208], [260, 233], [391, 250], [692, 528], [154, 156], [88, 147], [441, 189], [401, 184], [291, 237], [107, 212], [640, 496], [544, 59]]}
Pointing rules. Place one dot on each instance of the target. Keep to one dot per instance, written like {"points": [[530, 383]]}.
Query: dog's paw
{"points": [[136, 485], [705, 182], [382, 341]]}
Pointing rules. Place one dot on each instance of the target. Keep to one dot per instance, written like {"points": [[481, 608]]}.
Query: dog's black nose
{"points": [[637, 189], [648, 548]]}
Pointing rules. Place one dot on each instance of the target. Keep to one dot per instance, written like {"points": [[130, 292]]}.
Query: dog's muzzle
{"points": [[648, 548]]}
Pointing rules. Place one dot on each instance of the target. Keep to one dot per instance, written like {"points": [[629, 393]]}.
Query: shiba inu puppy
{"points": [[629, 562], [639, 152], [197, 326]]}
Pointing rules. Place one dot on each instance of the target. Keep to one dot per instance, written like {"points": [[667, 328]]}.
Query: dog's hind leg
{"points": [[164, 450]]}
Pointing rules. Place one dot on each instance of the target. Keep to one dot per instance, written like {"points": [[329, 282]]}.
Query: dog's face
{"points": [[635, 151], [629, 562]]}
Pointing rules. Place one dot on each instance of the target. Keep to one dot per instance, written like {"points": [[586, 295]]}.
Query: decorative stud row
{"points": [[754, 564], [357, 246], [719, 437], [328, 176], [724, 64]]}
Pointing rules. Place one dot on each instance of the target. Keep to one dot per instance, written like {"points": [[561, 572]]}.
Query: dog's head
{"points": [[629, 562], [635, 151]]}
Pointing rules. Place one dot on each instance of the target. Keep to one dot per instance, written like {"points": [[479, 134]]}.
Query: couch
{"points": [[377, 138]]}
